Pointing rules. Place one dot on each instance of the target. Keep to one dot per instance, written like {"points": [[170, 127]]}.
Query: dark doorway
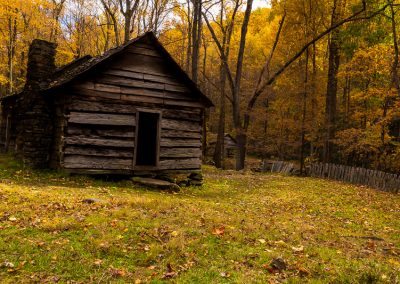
{"points": [[147, 139]]}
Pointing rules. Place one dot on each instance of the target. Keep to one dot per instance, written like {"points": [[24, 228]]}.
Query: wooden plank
{"points": [[142, 99], [101, 118], [129, 82], [172, 142], [161, 79], [80, 140], [101, 152], [167, 133], [84, 130], [96, 93], [194, 115], [194, 163], [97, 106], [143, 51], [89, 162], [124, 73], [142, 64], [180, 153], [142, 92], [180, 103], [180, 125], [180, 89], [99, 171], [143, 76]]}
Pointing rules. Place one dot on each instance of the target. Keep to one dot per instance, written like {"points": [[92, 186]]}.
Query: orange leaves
{"points": [[219, 231], [118, 272]]}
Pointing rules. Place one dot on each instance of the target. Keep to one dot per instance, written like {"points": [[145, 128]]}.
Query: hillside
{"points": [[228, 231]]}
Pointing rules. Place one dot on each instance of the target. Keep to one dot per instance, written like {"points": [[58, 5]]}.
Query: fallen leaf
{"points": [[116, 272], [170, 272], [8, 264], [219, 231], [281, 243], [261, 241], [225, 274], [98, 261], [298, 249], [174, 233]]}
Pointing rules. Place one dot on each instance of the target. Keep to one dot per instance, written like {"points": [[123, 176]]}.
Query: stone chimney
{"points": [[35, 128], [41, 63]]}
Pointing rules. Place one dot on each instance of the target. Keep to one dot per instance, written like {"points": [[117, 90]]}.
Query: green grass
{"points": [[227, 231]]}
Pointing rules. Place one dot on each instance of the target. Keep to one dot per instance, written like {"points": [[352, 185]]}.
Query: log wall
{"points": [[100, 117]]}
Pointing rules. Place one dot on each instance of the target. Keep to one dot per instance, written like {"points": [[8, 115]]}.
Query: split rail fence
{"points": [[361, 176]]}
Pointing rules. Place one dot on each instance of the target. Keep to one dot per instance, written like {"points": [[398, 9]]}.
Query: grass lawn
{"points": [[227, 231]]}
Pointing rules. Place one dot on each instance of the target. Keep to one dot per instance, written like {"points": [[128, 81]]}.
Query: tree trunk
{"points": [[12, 29], [303, 119], [241, 135], [331, 92], [219, 151], [196, 38]]}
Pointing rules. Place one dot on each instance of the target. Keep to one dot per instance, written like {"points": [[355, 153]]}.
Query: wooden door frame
{"points": [[145, 168]]}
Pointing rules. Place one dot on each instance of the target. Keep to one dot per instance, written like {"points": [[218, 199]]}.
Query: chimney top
{"points": [[41, 62]]}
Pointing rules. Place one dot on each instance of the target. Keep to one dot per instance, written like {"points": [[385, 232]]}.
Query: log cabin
{"points": [[128, 111]]}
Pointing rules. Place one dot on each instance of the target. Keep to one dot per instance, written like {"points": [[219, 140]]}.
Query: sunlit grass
{"points": [[227, 231]]}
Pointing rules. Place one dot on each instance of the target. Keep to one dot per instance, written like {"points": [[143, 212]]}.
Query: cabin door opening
{"points": [[147, 139]]}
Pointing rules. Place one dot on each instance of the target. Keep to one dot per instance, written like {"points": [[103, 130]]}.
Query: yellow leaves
{"points": [[394, 262]]}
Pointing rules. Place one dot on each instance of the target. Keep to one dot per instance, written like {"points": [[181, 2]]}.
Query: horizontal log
{"points": [[173, 142], [180, 153], [129, 82], [180, 125], [142, 64], [84, 130], [101, 152], [168, 133], [79, 140], [143, 51], [99, 171], [117, 92], [142, 99], [161, 79], [96, 94], [173, 88], [194, 163], [143, 76], [88, 162], [194, 115], [101, 118], [124, 73], [97, 106], [183, 103]]}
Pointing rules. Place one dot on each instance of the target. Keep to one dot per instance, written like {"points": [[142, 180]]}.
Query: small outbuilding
{"points": [[129, 111]]}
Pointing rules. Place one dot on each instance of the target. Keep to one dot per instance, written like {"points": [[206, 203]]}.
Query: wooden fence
{"points": [[375, 179], [277, 167]]}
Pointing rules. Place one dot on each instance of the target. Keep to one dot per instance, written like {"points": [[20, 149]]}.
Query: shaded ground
{"points": [[227, 231]]}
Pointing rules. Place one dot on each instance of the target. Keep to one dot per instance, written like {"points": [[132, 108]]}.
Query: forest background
{"points": [[304, 80]]}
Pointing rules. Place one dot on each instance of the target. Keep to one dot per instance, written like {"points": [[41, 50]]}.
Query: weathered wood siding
{"points": [[101, 115]]}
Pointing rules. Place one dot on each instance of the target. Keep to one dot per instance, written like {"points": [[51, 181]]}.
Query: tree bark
{"points": [[196, 38], [303, 118], [331, 92], [241, 135]]}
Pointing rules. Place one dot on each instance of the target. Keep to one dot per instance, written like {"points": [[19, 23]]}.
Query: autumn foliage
{"points": [[342, 91]]}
